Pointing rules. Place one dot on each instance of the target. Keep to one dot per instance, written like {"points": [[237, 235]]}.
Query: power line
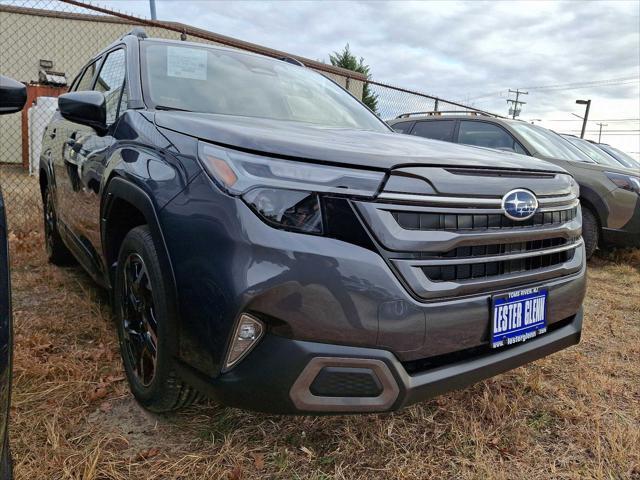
{"points": [[596, 130], [568, 86], [484, 95], [595, 120], [610, 81]]}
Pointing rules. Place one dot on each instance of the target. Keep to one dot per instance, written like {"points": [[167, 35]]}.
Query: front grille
{"points": [[451, 246], [453, 221], [476, 251], [449, 273]]}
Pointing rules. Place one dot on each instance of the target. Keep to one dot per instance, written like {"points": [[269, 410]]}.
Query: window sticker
{"points": [[187, 63]]}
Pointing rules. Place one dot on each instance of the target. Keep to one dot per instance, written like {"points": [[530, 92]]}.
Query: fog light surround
{"points": [[249, 330]]}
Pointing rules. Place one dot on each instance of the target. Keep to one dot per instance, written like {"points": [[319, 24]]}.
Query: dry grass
{"points": [[22, 200], [574, 415]]}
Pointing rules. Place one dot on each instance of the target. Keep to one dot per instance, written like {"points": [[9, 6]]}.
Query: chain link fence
{"points": [[45, 43], [394, 101]]}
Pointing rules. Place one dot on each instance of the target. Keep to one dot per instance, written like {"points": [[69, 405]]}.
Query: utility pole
{"points": [[600, 133], [515, 102], [586, 114], [152, 6]]}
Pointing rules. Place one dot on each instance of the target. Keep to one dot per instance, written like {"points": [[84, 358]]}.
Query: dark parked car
{"points": [[13, 95], [594, 153], [609, 193], [271, 243], [625, 159]]}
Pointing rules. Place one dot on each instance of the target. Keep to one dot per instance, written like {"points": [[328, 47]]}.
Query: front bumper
{"points": [[278, 369], [628, 235], [314, 289]]}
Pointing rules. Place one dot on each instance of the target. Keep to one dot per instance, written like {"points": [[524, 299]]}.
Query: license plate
{"points": [[518, 316]]}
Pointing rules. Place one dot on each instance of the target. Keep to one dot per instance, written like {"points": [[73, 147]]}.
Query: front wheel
{"points": [[590, 231], [146, 317]]}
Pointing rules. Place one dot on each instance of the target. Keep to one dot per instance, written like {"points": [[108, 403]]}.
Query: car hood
{"points": [[383, 150]]}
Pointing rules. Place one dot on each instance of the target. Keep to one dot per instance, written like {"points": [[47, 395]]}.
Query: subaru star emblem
{"points": [[519, 204]]}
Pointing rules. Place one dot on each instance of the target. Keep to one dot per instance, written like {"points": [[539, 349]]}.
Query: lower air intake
{"points": [[346, 382]]}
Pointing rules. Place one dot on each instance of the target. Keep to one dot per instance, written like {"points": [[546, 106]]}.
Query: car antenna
{"points": [[292, 61], [137, 32]]}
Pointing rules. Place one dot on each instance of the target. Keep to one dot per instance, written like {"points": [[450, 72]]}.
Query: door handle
{"points": [[73, 144]]}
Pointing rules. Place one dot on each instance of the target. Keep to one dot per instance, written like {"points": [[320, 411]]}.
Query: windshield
{"points": [[548, 143], [594, 153], [209, 80]]}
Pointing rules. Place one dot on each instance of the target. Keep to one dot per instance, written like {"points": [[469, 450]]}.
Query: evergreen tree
{"points": [[348, 60]]}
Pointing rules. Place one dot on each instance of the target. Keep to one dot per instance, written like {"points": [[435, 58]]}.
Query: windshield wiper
{"points": [[165, 107]]}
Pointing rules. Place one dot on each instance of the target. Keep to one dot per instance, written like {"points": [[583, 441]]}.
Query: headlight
{"points": [[626, 182], [575, 188], [291, 209], [285, 193]]}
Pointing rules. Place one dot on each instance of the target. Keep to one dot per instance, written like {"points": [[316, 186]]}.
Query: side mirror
{"points": [[13, 95], [86, 107]]}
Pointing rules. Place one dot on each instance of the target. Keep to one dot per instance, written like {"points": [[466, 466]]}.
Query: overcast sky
{"points": [[466, 51]]}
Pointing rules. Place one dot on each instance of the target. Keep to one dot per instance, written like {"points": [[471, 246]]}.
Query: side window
{"points": [[85, 82], [402, 127], [483, 134], [111, 81], [435, 129]]}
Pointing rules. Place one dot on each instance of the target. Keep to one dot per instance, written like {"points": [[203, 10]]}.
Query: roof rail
{"points": [[436, 113], [136, 32]]}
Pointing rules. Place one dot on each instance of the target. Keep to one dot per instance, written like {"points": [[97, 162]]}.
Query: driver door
{"points": [[85, 155]]}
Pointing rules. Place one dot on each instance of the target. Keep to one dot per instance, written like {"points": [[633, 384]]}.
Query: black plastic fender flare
{"points": [[120, 188]]}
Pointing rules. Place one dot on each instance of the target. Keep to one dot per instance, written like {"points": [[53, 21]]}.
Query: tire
{"points": [[57, 251], [147, 332], [590, 231]]}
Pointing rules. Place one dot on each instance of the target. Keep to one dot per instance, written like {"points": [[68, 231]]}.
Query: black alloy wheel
{"points": [[147, 323], [139, 326]]}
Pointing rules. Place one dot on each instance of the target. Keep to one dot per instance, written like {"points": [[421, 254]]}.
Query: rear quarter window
{"points": [[402, 127]]}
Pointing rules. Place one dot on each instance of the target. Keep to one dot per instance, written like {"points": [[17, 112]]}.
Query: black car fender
{"points": [[119, 188]]}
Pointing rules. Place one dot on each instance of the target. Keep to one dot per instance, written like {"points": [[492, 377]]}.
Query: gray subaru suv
{"points": [[270, 242]]}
